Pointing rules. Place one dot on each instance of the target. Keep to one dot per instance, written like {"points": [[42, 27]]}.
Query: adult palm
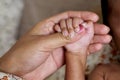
{"points": [[41, 51], [56, 58]]}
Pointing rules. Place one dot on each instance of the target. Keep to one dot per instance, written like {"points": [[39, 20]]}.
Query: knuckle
{"points": [[63, 38]]}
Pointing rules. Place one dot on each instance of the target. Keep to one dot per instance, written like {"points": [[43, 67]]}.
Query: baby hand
{"points": [[79, 31]]}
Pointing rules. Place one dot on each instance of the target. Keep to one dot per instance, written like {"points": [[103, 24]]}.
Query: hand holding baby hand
{"points": [[79, 31]]}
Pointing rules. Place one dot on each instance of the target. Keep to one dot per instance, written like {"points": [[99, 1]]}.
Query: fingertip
{"points": [[95, 17], [95, 47], [101, 29], [70, 28], [76, 22], [98, 47], [90, 16], [105, 29], [108, 38], [77, 29], [57, 28]]}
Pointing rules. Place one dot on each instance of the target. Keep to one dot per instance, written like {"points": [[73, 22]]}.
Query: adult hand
{"points": [[106, 72], [37, 54]]}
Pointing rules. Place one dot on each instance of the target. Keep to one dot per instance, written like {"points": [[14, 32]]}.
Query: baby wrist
{"points": [[77, 52]]}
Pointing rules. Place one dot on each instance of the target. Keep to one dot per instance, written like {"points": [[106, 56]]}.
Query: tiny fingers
{"points": [[70, 27], [57, 28], [76, 24], [63, 27], [102, 39]]}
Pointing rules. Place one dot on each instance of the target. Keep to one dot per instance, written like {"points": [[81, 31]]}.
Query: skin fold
{"points": [[41, 47], [77, 51]]}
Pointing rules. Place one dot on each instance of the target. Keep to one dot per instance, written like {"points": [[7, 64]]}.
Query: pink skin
{"points": [[84, 41], [78, 49], [85, 30], [57, 56], [52, 61]]}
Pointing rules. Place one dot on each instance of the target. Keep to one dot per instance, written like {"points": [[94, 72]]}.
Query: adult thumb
{"points": [[56, 40]]}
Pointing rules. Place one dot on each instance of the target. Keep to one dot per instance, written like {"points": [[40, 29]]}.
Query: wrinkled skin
{"points": [[82, 44], [40, 53]]}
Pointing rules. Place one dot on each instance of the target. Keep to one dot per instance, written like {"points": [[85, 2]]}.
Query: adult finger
{"points": [[101, 29], [95, 47], [46, 27], [53, 41], [85, 15], [104, 39]]}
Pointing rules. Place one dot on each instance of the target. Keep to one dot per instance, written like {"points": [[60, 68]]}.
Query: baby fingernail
{"points": [[77, 29], [72, 35], [65, 33], [84, 25]]}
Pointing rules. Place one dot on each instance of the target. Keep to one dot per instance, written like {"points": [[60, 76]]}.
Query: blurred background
{"points": [[17, 16]]}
